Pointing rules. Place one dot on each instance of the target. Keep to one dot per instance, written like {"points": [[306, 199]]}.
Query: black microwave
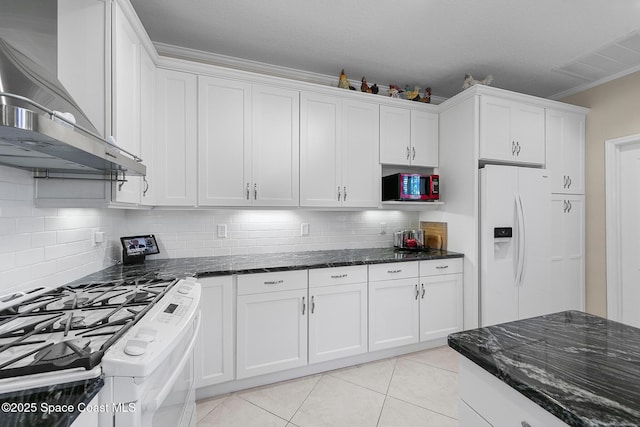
{"points": [[410, 186]]}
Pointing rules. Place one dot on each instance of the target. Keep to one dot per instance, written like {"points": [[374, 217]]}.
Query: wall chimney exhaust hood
{"points": [[35, 132]]}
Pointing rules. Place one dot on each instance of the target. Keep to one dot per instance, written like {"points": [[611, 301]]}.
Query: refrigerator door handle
{"points": [[521, 241]]}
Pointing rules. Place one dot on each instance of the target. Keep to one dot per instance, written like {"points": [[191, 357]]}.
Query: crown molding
{"points": [[177, 52]]}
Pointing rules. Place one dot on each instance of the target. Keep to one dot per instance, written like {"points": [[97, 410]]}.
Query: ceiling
{"points": [[544, 48]]}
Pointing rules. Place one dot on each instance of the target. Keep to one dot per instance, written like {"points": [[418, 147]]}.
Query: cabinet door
{"points": [[567, 252], [83, 66], [395, 135], [565, 151], [440, 306], [424, 139], [511, 131], [214, 348], [337, 321], [320, 150], [527, 129], [271, 332], [360, 154], [126, 99], [393, 313], [147, 124], [176, 143], [276, 146], [224, 142]]}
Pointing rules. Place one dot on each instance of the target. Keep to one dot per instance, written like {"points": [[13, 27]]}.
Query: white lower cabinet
{"points": [[338, 312], [393, 305], [413, 301], [214, 348], [487, 401], [271, 322]]}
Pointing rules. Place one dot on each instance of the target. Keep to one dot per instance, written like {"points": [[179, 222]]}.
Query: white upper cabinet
{"points": [[565, 151], [339, 142], [82, 56], [147, 125], [408, 137], [224, 142], [275, 148], [248, 144], [511, 131], [175, 156], [126, 99]]}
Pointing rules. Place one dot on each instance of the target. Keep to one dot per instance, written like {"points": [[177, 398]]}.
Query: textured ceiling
{"points": [[534, 47]]}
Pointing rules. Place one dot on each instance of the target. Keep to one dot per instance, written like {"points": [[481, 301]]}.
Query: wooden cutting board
{"points": [[435, 234]]}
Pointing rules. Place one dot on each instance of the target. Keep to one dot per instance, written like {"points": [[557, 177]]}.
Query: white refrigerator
{"points": [[515, 235]]}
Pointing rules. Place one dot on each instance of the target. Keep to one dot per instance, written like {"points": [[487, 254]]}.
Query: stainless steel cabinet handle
{"points": [[417, 292], [255, 191], [408, 153], [413, 149], [339, 194], [345, 194], [304, 306], [566, 206], [248, 191], [570, 206], [423, 291], [518, 148], [513, 148], [569, 181], [146, 186], [313, 304]]}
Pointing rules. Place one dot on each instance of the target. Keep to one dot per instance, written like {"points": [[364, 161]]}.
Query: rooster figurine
{"points": [[412, 94], [470, 81], [427, 96], [343, 82], [364, 87]]}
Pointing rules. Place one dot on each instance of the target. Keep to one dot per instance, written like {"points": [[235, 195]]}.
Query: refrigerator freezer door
{"points": [[514, 271], [535, 291], [498, 255]]}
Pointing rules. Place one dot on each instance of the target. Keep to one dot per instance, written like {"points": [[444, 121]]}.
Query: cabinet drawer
{"points": [[498, 403], [441, 266], [394, 270], [337, 275], [272, 282]]}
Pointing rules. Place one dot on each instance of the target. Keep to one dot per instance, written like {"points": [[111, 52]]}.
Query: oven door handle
{"points": [[153, 405]]}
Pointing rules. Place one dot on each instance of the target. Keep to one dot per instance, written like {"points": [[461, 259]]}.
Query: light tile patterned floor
{"points": [[418, 389]]}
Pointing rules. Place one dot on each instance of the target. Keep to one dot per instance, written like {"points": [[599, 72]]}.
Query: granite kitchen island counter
{"points": [[583, 369], [261, 263]]}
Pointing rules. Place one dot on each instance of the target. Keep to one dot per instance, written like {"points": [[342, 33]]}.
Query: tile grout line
{"points": [[307, 397], [386, 394]]}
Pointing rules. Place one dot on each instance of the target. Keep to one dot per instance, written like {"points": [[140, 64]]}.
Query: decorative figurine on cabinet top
{"points": [[364, 87], [343, 82], [427, 96], [470, 81]]}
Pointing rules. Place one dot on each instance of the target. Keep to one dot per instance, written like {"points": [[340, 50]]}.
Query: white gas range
{"points": [[128, 342]]}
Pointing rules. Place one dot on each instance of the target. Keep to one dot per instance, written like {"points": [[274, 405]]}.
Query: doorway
{"points": [[622, 157]]}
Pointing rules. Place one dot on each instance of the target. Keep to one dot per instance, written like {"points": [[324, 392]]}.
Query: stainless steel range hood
{"points": [[33, 134]]}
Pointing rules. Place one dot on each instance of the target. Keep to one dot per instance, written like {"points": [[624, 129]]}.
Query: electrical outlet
{"points": [[222, 231], [383, 228], [304, 229], [98, 237]]}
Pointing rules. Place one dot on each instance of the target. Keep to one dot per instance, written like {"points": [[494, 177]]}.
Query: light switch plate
{"points": [[222, 231], [304, 229]]}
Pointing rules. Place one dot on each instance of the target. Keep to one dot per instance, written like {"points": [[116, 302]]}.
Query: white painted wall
{"points": [[48, 246], [193, 233], [51, 247]]}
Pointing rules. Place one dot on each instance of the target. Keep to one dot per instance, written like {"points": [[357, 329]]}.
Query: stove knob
{"points": [[147, 334], [185, 289], [135, 347]]}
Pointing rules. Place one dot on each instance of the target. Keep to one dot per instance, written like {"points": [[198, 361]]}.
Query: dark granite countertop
{"points": [[246, 264], [582, 368], [55, 405]]}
